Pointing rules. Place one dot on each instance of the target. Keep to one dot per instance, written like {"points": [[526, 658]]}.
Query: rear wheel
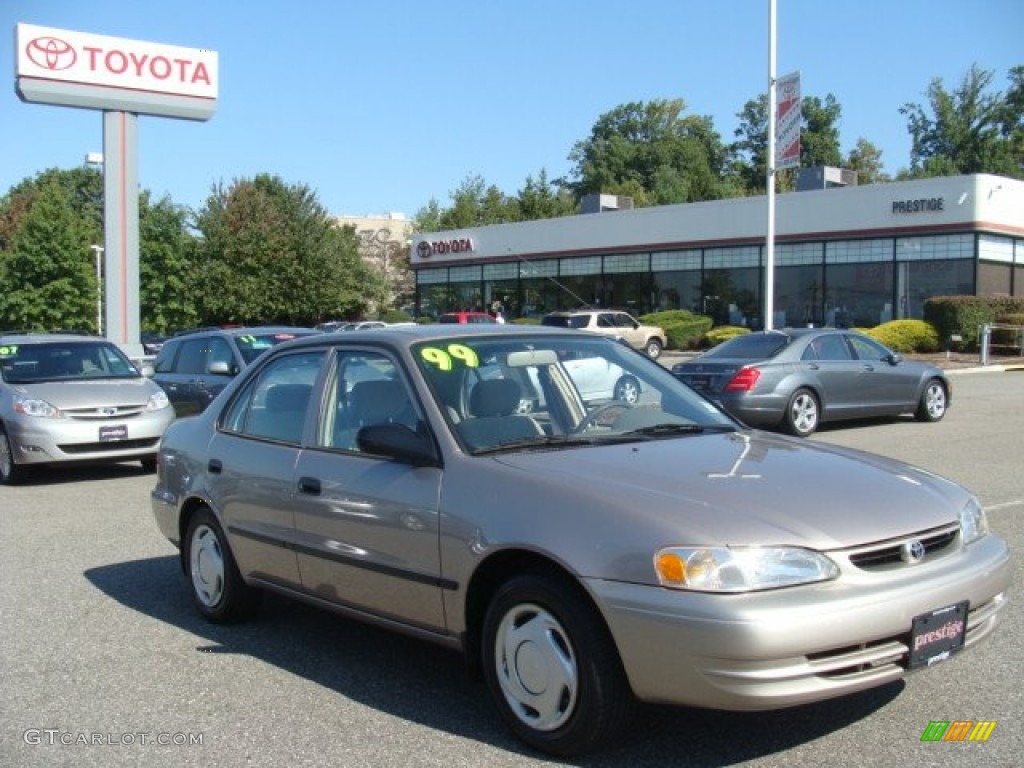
{"points": [[10, 472], [218, 591], [552, 667], [933, 403], [802, 413], [653, 348]]}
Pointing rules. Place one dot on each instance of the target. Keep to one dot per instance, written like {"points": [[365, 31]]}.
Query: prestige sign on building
{"points": [[79, 69]]}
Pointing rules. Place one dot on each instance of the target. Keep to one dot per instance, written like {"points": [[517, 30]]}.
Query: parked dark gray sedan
{"points": [[796, 379], [583, 555]]}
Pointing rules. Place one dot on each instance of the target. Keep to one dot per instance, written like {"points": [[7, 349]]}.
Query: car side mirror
{"points": [[147, 370], [220, 368], [397, 441], [894, 358]]}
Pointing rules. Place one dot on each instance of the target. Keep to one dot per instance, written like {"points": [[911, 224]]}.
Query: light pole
{"points": [[98, 252]]}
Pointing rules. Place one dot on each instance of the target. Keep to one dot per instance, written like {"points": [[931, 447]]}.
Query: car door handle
{"points": [[214, 466], [310, 485], [867, 367]]}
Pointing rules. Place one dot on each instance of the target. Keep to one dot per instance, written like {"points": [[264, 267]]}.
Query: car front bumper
{"points": [[780, 648], [47, 441]]}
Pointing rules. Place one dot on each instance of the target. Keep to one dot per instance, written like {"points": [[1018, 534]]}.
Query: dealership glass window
{"points": [[994, 277], [995, 249], [732, 296], [745, 256], [465, 285], [920, 280], [587, 265], [627, 262], [501, 289], [858, 294], [677, 279], [935, 247], [849, 251], [799, 294], [538, 282]]}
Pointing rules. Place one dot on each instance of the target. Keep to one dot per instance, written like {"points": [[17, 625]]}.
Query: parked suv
{"points": [[609, 322], [194, 366]]}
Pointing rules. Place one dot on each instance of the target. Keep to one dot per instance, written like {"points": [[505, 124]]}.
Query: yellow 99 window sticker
{"points": [[445, 359]]}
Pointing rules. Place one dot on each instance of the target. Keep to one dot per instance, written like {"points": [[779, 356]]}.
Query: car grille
{"points": [[110, 446], [890, 554], [105, 412]]}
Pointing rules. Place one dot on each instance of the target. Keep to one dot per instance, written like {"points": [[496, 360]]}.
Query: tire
{"points": [[653, 348], [933, 403], [552, 668], [803, 413], [627, 389], [218, 591], [10, 472]]}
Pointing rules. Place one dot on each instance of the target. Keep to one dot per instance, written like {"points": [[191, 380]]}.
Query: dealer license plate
{"points": [[937, 635], [115, 432]]}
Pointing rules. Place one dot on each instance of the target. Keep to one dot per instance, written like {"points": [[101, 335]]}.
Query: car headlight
{"points": [[157, 401], [973, 524], [40, 408], [740, 569]]}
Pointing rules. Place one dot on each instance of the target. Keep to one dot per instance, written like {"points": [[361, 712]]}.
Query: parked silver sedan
{"points": [[797, 379], [69, 398], [582, 555]]}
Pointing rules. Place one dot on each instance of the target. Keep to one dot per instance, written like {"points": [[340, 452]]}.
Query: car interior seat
{"points": [[493, 417]]}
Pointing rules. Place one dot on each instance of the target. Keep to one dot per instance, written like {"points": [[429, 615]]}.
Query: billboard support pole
{"points": [[121, 228], [769, 252]]}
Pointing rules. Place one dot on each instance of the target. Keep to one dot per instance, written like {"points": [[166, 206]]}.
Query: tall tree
{"points": [[270, 252], [170, 284], [653, 153], [46, 267], [819, 141], [866, 160], [542, 199], [967, 130]]}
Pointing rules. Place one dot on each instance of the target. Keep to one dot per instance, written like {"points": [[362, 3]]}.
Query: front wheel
{"points": [[218, 591], [653, 348], [802, 413], [933, 403], [10, 472], [627, 389], [552, 667]]}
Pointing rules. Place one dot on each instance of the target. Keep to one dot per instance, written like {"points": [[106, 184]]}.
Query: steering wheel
{"points": [[591, 418]]}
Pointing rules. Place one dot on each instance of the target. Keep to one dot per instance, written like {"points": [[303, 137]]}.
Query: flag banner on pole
{"points": [[787, 127]]}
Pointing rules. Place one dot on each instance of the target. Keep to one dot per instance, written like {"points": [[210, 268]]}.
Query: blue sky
{"points": [[382, 106]]}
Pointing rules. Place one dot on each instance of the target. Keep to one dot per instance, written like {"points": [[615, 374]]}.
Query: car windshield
{"points": [[534, 391], [566, 321], [751, 346], [63, 361], [252, 345]]}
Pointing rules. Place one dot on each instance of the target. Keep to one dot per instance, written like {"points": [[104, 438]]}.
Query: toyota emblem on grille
{"points": [[912, 552], [51, 53], [108, 411]]}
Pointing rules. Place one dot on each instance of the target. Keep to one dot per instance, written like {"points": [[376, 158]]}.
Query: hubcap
{"points": [[207, 566], [536, 667], [935, 401], [6, 460], [804, 413]]}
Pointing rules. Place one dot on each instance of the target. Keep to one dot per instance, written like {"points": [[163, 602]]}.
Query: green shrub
{"points": [[963, 316], [425, 320], [906, 336], [395, 316], [527, 320], [683, 328], [716, 336]]}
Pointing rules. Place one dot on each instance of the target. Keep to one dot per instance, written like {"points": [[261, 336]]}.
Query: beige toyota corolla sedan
{"points": [[452, 483]]}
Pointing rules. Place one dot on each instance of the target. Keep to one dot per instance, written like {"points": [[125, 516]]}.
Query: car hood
{"points": [[751, 488], [83, 393]]}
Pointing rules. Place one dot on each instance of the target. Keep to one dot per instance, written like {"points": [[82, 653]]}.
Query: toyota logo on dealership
{"points": [[51, 53], [423, 249]]}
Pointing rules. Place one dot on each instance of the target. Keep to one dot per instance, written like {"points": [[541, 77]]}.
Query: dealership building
{"points": [[844, 255]]}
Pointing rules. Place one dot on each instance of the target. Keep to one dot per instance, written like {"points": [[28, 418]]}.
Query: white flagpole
{"points": [[769, 254]]}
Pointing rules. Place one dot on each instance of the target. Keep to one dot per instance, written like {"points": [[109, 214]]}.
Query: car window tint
{"points": [[220, 352], [751, 346], [273, 404], [867, 349], [833, 347], [192, 358], [366, 389], [165, 360]]}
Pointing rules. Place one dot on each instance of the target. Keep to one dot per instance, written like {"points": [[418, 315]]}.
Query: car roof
{"points": [[20, 338], [250, 330]]}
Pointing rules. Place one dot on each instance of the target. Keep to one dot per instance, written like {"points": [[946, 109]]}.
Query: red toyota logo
{"points": [[51, 53]]}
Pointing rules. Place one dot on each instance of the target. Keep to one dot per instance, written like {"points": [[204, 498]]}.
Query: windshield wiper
{"points": [[669, 428], [556, 441]]}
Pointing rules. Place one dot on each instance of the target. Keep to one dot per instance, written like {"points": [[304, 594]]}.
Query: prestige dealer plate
{"points": [[935, 636]]}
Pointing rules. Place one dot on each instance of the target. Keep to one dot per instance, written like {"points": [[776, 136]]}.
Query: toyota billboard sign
{"points": [[78, 69]]}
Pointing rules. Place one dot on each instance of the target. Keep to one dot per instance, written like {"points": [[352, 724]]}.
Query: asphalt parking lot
{"points": [[105, 663]]}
